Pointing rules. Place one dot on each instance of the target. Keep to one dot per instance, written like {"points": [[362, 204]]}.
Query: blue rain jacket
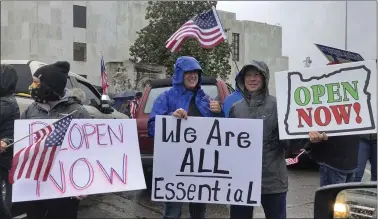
{"points": [[232, 98], [178, 96]]}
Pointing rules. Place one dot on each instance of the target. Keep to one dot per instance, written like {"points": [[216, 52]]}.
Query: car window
{"points": [[69, 83], [230, 89], [90, 94], [25, 78], [211, 90]]}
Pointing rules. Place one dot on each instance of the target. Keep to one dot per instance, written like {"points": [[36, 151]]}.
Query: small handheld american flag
{"points": [[205, 27], [36, 160], [291, 161]]}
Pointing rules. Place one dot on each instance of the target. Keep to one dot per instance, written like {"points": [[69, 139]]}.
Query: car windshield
{"points": [[25, 78], [209, 89]]}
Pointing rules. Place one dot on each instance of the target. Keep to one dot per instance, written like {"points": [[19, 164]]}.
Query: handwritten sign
{"points": [[337, 99], [207, 160], [97, 156]]}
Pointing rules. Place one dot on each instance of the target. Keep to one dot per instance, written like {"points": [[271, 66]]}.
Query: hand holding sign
{"points": [[316, 137], [3, 146], [215, 106], [180, 113]]}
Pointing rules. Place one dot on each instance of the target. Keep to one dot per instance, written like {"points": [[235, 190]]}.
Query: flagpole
{"points": [[39, 130], [346, 25], [229, 48]]}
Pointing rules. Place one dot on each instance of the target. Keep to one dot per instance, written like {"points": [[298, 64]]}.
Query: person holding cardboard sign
{"points": [[53, 101], [185, 98], [256, 103]]}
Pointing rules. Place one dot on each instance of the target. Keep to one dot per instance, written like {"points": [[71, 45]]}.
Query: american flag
{"points": [[205, 27], [104, 77], [291, 161], [35, 161]]}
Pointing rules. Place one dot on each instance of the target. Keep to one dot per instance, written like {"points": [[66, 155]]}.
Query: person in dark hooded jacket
{"points": [[252, 82], [53, 101], [9, 112], [185, 98]]}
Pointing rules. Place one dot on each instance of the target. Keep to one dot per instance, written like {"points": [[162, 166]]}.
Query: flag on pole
{"points": [[104, 77], [36, 160], [291, 161], [205, 27]]}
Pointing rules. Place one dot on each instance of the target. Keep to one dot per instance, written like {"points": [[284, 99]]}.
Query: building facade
{"points": [[80, 31]]}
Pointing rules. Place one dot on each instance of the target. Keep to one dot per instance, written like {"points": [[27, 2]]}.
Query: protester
{"points": [[367, 152], [252, 82], [185, 98], [53, 101], [134, 104], [231, 99], [337, 157], [9, 112]]}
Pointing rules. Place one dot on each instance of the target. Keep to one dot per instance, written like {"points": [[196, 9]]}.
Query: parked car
{"points": [[215, 88], [93, 102], [346, 200]]}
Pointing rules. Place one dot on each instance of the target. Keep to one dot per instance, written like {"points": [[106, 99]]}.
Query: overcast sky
{"points": [[305, 23]]}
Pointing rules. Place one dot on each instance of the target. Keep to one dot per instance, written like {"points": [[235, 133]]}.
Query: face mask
{"points": [[42, 93]]}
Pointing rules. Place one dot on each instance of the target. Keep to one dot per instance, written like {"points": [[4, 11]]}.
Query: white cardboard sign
{"points": [[97, 156], [336, 99], [207, 160]]}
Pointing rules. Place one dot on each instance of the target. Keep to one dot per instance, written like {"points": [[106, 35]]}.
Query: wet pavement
{"points": [[303, 182]]}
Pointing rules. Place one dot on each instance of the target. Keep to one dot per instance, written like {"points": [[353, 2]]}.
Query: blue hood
{"points": [[185, 64]]}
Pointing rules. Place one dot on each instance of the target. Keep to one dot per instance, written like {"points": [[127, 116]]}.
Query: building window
{"points": [[80, 52], [235, 46], [79, 16]]}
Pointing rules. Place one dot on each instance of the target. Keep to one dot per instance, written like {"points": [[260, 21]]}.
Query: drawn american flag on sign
{"points": [[36, 160], [205, 28]]}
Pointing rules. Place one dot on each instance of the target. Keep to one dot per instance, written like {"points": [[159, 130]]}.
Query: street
{"points": [[303, 182]]}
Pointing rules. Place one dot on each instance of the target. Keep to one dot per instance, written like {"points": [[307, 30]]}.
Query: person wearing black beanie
{"points": [[50, 82], [54, 101]]}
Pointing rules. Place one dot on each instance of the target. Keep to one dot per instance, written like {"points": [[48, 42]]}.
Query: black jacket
{"points": [[340, 152], [72, 101], [9, 111]]}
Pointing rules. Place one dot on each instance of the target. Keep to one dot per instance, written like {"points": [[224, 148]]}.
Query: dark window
{"points": [[211, 90], [92, 97], [235, 46], [79, 52], [25, 78], [79, 16]]}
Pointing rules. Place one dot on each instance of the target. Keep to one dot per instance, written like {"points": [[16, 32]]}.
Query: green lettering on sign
{"points": [[347, 88], [318, 91], [331, 92], [297, 96]]}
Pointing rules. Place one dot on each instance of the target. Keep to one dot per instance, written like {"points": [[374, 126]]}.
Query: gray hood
{"points": [[260, 66]]}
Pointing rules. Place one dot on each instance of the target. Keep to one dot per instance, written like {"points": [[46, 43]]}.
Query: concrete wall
{"points": [[258, 41], [43, 31]]}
